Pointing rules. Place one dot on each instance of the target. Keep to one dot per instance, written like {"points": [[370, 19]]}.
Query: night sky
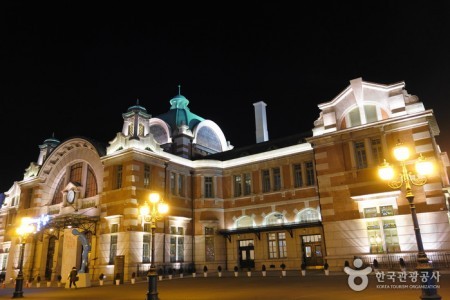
{"points": [[72, 69]]}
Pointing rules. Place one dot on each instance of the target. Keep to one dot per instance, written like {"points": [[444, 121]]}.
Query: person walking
{"points": [[73, 278]]}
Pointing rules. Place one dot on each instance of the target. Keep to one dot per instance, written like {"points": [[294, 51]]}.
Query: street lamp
{"points": [[408, 178], [23, 231], [151, 214]]}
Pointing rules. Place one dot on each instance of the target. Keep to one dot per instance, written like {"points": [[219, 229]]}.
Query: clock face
{"points": [[70, 196]]}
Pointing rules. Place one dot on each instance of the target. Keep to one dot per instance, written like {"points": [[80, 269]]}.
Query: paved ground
{"points": [[313, 286]]}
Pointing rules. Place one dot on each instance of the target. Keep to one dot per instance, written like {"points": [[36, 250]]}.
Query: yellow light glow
{"points": [[385, 171], [26, 227], [144, 210], [424, 166], [401, 152], [163, 208], [154, 197]]}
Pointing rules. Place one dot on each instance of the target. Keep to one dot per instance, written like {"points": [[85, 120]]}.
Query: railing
{"points": [[439, 260]]}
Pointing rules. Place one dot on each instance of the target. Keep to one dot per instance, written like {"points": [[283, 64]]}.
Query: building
{"points": [[307, 198]]}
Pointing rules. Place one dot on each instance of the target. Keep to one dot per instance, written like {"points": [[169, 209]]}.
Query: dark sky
{"points": [[73, 69]]}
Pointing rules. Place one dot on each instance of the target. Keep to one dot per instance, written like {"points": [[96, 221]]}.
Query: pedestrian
{"points": [[73, 277]]}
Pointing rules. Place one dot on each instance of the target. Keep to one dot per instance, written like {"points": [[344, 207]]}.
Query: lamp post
{"points": [[151, 214], [23, 231], [408, 178]]}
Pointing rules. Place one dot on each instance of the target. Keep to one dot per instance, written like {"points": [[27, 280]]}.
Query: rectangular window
{"points": [[360, 155], [75, 173], [375, 240], [355, 117], [112, 249], [173, 187], [209, 248], [387, 210], [146, 176], [181, 185], [118, 182], [276, 179], [247, 184], [147, 227], [298, 180], [237, 185], [146, 248], [310, 178], [391, 236], [277, 245], [266, 181], [209, 187], [370, 212], [377, 152], [371, 113], [176, 248], [114, 228]]}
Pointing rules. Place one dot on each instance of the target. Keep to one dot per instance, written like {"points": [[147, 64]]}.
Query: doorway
{"points": [[312, 250], [246, 254]]}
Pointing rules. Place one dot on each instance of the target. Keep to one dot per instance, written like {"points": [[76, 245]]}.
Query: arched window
{"points": [[58, 195], [274, 219], [91, 183], [308, 215], [244, 221]]}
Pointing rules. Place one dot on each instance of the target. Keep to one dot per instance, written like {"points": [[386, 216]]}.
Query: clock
{"points": [[71, 196]]}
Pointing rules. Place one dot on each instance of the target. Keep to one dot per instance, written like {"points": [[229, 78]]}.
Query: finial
{"points": [[53, 134], [137, 101], [179, 89]]}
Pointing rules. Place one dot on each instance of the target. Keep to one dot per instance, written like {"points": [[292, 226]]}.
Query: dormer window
{"points": [[362, 115]]}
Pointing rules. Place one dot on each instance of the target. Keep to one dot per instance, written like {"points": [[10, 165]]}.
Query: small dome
{"points": [[179, 101], [137, 108]]}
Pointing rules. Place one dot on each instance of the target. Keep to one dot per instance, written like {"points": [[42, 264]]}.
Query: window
{"points": [[209, 187], [265, 181], [237, 179], [91, 184], [173, 187], [391, 236], [146, 248], [370, 112], [308, 215], [377, 153], [176, 244], [146, 176], [209, 244], [244, 221], [58, 195], [141, 130], [147, 227], [112, 249], [387, 210], [370, 212], [298, 180], [360, 154], [274, 219], [310, 178], [118, 181], [75, 173], [181, 185], [247, 184], [355, 117], [277, 245], [114, 228], [276, 179]]}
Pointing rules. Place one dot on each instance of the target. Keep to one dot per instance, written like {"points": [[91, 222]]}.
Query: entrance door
{"points": [[50, 254], [312, 250], [246, 254]]}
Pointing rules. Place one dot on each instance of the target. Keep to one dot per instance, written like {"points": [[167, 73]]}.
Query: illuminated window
{"points": [[277, 245], [209, 187], [146, 248], [274, 219], [360, 154], [209, 244], [391, 236], [377, 153], [146, 176], [370, 212], [375, 238], [355, 117], [387, 210], [244, 221], [308, 215], [141, 130], [131, 129], [112, 249], [176, 244]]}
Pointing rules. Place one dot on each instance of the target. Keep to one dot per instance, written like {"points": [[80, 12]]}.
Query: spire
{"points": [[179, 90], [137, 101]]}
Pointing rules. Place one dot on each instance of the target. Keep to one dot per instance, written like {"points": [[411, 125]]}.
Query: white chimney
{"points": [[262, 135]]}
